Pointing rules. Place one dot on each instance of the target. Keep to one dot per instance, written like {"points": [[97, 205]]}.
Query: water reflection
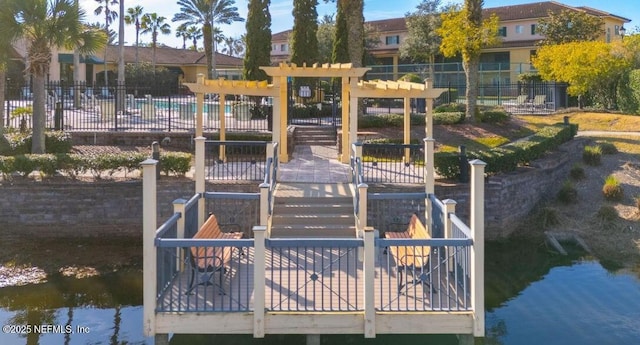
{"points": [[533, 296], [77, 309]]}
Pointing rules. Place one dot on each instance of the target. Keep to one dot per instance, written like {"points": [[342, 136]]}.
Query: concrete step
{"points": [[312, 207], [316, 201], [315, 219], [283, 231]]}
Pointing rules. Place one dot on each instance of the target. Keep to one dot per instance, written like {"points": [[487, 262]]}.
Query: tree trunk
{"points": [[471, 68], [213, 54], [39, 114], [3, 88], [355, 27], [207, 40], [120, 91]]}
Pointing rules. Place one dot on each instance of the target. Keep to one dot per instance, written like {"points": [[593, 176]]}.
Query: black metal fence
{"points": [[82, 107], [235, 161], [393, 163]]}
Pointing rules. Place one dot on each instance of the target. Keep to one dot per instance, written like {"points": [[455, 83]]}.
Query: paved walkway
{"points": [[315, 164]]}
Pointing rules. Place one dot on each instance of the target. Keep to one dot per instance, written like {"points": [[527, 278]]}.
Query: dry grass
{"points": [[586, 121]]}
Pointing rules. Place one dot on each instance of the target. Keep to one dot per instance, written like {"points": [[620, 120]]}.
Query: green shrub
{"points": [[450, 108], [6, 165], [23, 165], [493, 116], [449, 96], [568, 193], [607, 148], [592, 155], [47, 164], [607, 213], [71, 164], [55, 142], [448, 118], [178, 163], [507, 157], [577, 172], [612, 189]]}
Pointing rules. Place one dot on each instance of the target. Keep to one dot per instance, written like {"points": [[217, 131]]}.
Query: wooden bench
{"points": [[208, 260], [411, 258]]}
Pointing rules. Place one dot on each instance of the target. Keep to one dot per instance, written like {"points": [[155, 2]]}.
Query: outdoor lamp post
{"points": [[622, 31]]}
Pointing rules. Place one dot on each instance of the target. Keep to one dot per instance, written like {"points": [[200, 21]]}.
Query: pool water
{"points": [[165, 105], [531, 299]]}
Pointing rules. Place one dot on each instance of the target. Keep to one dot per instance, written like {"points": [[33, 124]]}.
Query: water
{"points": [[176, 105], [533, 297]]}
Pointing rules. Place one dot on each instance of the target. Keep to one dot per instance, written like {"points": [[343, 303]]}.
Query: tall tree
{"points": [[233, 46], [465, 33], [341, 37], [154, 24], [423, 43], [43, 25], [325, 34], [133, 16], [569, 26], [589, 67], [182, 32], [304, 42], [120, 90], [5, 47], [109, 16], [194, 33], [258, 40], [208, 13]]}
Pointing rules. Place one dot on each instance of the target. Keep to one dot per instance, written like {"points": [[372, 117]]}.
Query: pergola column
{"points": [[284, 108], [346, 102]]}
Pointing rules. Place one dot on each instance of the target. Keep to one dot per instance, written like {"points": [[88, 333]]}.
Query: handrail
{"points": [[460, 226]]}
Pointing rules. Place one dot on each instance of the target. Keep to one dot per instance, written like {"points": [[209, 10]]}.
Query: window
{"points": [[519, 29], [283, 47], [533, 29], [502, 31], [274, 47], [616, 30], [392, 40], [608, 38]]}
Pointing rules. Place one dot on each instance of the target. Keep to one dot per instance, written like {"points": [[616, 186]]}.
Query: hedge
{"points": [[72, 165], [20, 143], [508, 157]]}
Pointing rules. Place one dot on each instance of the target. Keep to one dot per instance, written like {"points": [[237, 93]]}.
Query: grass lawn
{"points": [[586, 121]]}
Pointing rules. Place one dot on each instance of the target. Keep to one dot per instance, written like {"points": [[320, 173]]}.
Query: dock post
{"points": [[477, 249], [264, 203], [149, 254], [429, 180], [179, 206], [450, 208], [259, 267], [199, 176], [362, 208], [369, 282]]}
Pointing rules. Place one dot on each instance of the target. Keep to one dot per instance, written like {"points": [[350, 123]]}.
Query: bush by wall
{"points": [[72, 165], [20, 143], [508, 157]]}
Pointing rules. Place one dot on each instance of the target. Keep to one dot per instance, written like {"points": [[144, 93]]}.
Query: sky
{"points": [[282, 19]]}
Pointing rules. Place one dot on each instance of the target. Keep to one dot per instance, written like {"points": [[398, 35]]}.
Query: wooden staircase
{"points": [[313, 210], [315, 135]]}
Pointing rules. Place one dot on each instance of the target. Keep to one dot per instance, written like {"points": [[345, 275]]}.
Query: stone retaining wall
{"points": [[509, 197], [71, 206]]}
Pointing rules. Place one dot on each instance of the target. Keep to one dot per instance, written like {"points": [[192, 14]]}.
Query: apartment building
{"points": [[518, 29]]}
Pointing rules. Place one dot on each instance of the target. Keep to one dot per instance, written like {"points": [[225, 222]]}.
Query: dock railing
{"points": [[268, 185], [234, 161], [356, 281], [359, 188], [393, 163]]}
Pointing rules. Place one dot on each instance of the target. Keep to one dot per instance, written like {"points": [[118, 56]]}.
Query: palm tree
{"points": [[109, 17], [133, 18], [194, 33], [208, 13], [233, 46], [182, 32], [153, 24], [44, 25]]}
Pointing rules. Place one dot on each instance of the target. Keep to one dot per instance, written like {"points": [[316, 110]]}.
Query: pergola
{"points": [[352, 89]]}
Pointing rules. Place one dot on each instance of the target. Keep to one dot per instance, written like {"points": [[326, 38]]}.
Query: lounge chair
{"points": [[539, 101]]}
